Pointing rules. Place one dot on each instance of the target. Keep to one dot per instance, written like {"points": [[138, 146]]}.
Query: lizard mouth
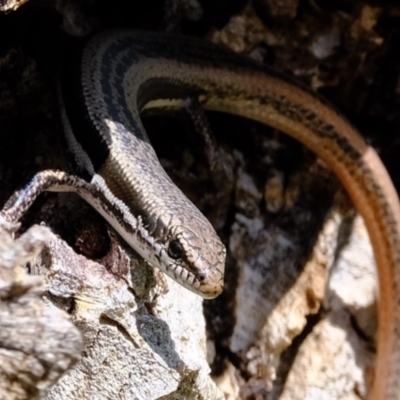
{"points": [[207, 286]]}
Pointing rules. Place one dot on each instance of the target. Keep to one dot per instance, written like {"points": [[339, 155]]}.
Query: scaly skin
{"points": [[124, 73]]}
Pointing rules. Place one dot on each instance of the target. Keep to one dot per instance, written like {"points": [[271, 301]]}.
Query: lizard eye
{"points": [[175, 249]]}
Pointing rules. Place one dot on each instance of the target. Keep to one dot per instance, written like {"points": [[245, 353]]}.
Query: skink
{"points": [[122, 74]]}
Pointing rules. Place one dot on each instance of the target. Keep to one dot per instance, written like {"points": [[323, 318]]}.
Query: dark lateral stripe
{"points": [[82, 127], [113, 85]]}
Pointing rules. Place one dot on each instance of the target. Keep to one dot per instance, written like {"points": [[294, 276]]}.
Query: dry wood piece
{"points": [[144, 334], [10, 5], [38, 343]]}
